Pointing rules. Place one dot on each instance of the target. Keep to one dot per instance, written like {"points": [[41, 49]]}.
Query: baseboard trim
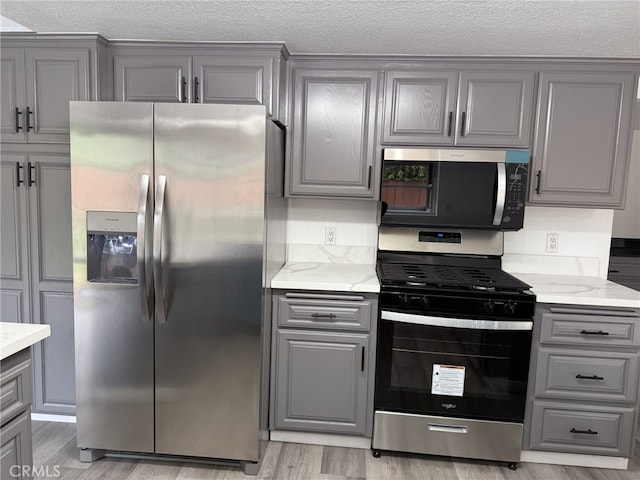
{"points": [[47, 417], [574, 459], [326, 439]]}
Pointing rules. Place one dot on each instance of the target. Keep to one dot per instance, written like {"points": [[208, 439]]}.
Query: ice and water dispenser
{"points": [[112, 247]]}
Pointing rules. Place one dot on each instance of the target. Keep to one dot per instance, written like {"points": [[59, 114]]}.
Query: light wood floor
{"points": [[55, 450]]}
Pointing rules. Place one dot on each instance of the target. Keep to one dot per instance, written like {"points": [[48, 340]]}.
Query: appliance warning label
{"points": [[447, 380]]}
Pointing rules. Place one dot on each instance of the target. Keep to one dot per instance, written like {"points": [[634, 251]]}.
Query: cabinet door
{"points": [[495, 109], [12, 80], [333, 128], [243, 80], [51, 283], [419, 107], [321, 381], [580, 155], [54, 78], [14, 248], [16, 448], [152, 78]]}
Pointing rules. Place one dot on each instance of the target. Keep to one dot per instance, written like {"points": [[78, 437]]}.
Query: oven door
{"points": [[457, 367]]}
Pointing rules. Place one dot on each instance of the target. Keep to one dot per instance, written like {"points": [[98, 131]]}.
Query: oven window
{"points": [[483, 365], [448, 371], [408, 186]]}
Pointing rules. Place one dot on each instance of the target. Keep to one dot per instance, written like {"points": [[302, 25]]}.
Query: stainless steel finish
{"points": [[444, 155], [451, 322], [501, 193], [457, 437], [160, 251], [145, 281], [473, 242], [208, 353], [197, 384], [111, 146], [435, 427]]}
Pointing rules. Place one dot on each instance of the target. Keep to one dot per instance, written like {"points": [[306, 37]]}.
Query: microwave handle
{"points": [[501, 194]]}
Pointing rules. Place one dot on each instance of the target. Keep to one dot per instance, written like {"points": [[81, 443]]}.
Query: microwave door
{"points": [[466, 194]]}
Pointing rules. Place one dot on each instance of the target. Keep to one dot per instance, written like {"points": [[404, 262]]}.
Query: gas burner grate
{"points": [[447, 276]]}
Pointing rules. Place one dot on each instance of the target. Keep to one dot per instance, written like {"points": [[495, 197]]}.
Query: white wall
{"points": [[355, 221], [583, 246]]}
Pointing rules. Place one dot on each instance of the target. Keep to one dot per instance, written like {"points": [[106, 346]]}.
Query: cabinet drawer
{"points": [[581, 429], [584, 375], [15, 385], [334, 314], [16, 455], [592, 328]]}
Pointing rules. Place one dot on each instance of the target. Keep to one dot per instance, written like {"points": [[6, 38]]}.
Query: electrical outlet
{"points": [[330, 235], [552, 242]]}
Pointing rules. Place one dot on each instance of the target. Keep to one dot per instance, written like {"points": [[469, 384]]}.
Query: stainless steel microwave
{"points": [[477, 189]]}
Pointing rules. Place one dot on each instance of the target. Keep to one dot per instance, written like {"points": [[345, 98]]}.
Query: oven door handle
{"points": [[508, 325], [501, 194]]}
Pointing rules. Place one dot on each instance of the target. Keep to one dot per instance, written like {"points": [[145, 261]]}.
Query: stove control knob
{"points": [[509, 308], [488, 307]]}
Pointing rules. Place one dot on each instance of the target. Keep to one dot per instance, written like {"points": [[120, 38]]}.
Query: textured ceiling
{"points": [[432, 27]]}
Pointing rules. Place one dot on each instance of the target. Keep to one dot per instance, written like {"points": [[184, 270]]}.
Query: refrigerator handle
{"points": [[145, 278], [158, 250]]}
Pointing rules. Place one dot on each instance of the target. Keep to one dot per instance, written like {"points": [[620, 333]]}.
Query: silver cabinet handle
{"points": [[435, 427], [501, 193], [158, 251], [145, 281]]}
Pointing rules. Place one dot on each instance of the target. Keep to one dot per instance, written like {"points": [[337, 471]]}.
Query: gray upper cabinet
{"points": [[200, 74], [581, 148], [465, 108], [152, 79], [332, 149], [36, 269], [37, 85]]}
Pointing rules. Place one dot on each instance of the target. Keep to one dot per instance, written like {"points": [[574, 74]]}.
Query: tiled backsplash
{"points": [[584, 237]]}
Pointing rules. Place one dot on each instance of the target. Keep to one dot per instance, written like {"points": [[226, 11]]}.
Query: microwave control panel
{"points": [[517, 179]]}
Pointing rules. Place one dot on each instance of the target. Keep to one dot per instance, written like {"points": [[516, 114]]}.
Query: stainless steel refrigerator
{"points": [[178, 227]]}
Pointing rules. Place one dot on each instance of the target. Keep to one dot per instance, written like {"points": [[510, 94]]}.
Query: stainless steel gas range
{"points": [[454, 341]]}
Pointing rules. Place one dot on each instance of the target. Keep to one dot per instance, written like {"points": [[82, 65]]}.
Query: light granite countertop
{"points": [[580, 290], [18, 336], [339, 277]]}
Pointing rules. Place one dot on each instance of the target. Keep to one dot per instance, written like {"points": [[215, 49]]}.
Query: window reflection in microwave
{"points": [[407, 186]]}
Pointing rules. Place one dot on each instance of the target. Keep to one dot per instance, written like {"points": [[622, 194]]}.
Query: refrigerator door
{"points": [[208, 254], [111, 166]]}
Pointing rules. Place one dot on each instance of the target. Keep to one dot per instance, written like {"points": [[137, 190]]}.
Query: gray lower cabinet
{"points": [[16, 457], [239, 74], [36, 268], [333, 135], [583, 385], [40, 75], [582, 140], [492, 108], [323, 360]]}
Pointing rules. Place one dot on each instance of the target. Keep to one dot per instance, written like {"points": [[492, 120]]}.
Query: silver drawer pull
{"points": [[588, 431], [589, 377], [323, 315], [593, 332], [434, 427]]}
